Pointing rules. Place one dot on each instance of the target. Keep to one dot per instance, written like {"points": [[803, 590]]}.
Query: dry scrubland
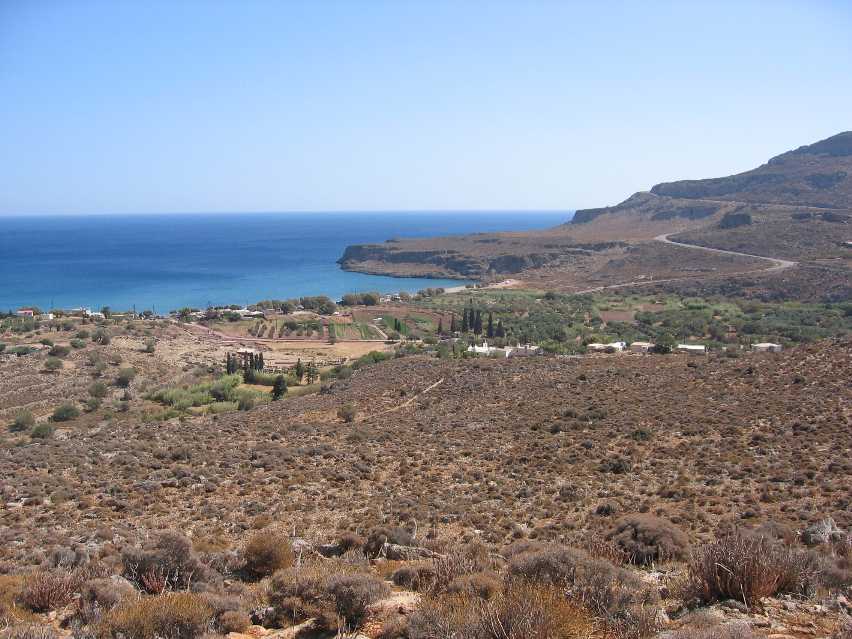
{"points": [[616, 497], [514, 495]]}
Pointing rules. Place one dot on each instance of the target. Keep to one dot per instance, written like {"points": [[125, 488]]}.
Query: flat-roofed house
{"points": [[641, 347], [692, 349], [766, 347]]}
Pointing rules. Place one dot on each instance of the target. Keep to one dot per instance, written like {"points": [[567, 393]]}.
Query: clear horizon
{"points": [[255, 106]]}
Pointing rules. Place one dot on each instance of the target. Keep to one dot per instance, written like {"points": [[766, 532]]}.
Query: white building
{"points": [[490, 351], [526, 350], [597, 347], [692, 349], [766, 347]]}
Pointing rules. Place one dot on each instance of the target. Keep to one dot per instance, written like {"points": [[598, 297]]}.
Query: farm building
{"points": [[490, 351], [597, 347], [641, 347], [766, 347], [25, 312], [692, 349], [526, 350]]}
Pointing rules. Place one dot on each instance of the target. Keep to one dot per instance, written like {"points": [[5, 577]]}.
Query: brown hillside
{"points": [[797, 206]]}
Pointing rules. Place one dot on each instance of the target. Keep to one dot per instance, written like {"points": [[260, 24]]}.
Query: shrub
{"points": [[101, 336], [353, 593], [30, 631], [52, 364], [98, 596], [378, 537], [45, 591], [233, 621], [295, 594], [175, 615], [60, 351], [42, 431], [347, 412], [614, 594], [465, 560], [125, 376], [267, 552], [523, 609], [150, 346], [747, 568], [98, 389], [65, 412], [646, 538], [417, 577], [23, 421], [93, 404], [167, 562], [485, 585], [78, 343], [728, 631]]}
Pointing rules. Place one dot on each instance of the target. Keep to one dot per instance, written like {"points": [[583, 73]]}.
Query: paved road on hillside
{"points": [[777, 265]]}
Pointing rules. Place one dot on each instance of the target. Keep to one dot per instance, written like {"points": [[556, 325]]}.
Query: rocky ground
{"points": [[547, 449]]}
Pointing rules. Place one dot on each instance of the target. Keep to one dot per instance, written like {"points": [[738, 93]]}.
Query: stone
{"points": [[821, 532], [408, 553]]}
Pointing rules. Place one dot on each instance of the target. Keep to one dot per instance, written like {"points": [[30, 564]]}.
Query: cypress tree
{"points": [[279, 388], [465, 324], [501, 332], [453, 326], [441, 326], [477, 323], [490, 324], [248, 375], [299, 370]]}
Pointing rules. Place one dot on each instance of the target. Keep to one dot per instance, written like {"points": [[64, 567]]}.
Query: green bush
{"points": [[125, 376], [60, 350], [2, 346], [98, 389], [23, 421], [42, 431], [78, 343], [46, 341], [347, 412], [93, 404], [52, 364], [66, 412]]}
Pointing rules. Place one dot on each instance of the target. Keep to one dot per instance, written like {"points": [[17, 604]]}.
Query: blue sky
{"points": [[272, 106]]}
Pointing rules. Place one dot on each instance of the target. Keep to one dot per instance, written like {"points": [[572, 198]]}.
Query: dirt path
{"points": [[405, 403], [777, 265], [239, 339]]}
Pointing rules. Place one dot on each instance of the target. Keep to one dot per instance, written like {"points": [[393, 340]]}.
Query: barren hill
{"points": [[570, 444], [797, 206]]}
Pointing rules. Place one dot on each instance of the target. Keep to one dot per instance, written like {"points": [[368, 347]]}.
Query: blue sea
{"points": [[164, 262]]}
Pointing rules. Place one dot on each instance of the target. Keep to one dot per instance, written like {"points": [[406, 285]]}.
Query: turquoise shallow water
{"points": [[164, 262]]}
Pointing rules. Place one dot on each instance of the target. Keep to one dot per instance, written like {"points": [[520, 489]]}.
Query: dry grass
{"points": [[747, 568], [44, 591], [521, 611], [266, 552], [178, 615]]}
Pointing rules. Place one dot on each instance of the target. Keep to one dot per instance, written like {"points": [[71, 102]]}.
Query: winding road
{"points": [[777, 265]]}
